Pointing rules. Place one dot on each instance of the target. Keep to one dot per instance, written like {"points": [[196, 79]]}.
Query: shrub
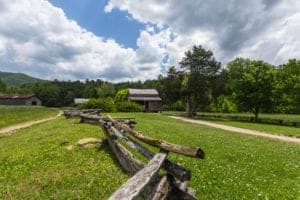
{"points": [[105, 104], [224, 104], [177, 106], [121, 95], [126, 106]]}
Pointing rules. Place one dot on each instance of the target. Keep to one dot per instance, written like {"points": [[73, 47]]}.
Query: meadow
{"points": [[10, 115], [268, 128], [225, 118], [34, 164]]}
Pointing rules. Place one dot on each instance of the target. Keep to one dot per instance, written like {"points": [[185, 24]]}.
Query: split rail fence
{"points": [[147, 181]]}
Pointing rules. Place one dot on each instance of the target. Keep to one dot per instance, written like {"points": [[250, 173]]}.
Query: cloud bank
{"points": [[37, 37]]}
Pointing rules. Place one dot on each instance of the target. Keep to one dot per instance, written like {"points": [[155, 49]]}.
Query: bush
{"points": [[105, 104], [177, 106], [121, 95], [224, 104], [128, 107]]}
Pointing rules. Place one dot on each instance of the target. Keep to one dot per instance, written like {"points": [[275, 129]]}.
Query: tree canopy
{"points": [[200, 67], [251, 82]]}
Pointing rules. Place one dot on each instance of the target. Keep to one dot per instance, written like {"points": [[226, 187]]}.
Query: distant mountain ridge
{"points": [[17, 79]]}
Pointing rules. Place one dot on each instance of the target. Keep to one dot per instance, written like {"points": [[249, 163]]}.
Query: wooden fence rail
{"points": [[146, 181]]}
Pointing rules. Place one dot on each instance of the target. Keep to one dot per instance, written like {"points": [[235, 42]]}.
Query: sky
{"points": [[129, 40]]}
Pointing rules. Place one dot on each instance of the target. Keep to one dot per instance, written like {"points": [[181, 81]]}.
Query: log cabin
{"points": [[148, 98], [20, 99]]}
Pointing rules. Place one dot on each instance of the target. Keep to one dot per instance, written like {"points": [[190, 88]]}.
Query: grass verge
{"points": [[268, 128], [11, 115], [33, 164], [236, 166]]}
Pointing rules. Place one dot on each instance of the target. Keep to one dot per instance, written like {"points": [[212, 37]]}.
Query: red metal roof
{"points": [[15, 96]]}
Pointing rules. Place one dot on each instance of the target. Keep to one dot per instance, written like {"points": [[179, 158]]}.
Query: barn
{"points": [[148, 98], [19, 99]]}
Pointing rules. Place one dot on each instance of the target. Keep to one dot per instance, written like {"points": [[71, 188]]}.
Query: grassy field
{"points": [[34, 165], [237, 166], [11, 115], [268, 128], [288, 117]]}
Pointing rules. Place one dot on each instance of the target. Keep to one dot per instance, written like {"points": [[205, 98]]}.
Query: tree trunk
{"points": [[256, 111], [190, 107]]}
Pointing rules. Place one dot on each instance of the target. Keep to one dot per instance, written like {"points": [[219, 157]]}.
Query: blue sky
{"points": [[90, 15], [129, 40]]}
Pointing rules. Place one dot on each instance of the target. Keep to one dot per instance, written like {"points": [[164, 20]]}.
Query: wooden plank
{"points": [[184, 150], [176, 170], [125, 158], [89, 110], [135, 185], [89, 116], [183, 185], [162, 190], [177, 193]]}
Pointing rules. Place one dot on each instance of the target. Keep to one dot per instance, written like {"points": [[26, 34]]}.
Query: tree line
{"points": [[198, 83]]}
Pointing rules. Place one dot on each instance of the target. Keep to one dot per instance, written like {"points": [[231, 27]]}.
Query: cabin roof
{"points": [[144, 98], [143, 95], [142, 92], [80, 100], [16, 96]]}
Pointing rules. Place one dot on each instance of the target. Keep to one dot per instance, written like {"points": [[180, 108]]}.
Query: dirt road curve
{"points": [[239, 130], [13, 128]]}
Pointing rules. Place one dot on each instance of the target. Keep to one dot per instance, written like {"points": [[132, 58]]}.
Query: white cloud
{"points": [[229, 28], [37, 38]]}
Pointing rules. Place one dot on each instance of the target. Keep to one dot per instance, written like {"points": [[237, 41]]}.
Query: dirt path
{"points": [[10, 129], [239, 130]]}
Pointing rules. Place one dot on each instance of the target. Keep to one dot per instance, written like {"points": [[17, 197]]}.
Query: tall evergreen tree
{"points": [[200, 67]]}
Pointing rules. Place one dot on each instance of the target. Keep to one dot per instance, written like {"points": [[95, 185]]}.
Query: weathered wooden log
{"points": [[135, 163], [177, 193], [89, 110], [129, 163], [161, 191], [176, 170], [94, 119], [135, 185], [184, 150], [71, 113], [183, 185]]}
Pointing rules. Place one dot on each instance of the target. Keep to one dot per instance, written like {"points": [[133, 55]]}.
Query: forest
{"points": [[198, 83]]}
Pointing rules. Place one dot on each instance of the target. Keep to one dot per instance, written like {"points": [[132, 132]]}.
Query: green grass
{"points": [[287, 117], [236, 166], [11, 115], [291, 120], [33, 164], [268, 128]]}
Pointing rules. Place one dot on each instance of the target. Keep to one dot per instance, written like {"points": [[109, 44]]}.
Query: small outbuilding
{"points": [[20, 99], [80, 101], [148, 98]]}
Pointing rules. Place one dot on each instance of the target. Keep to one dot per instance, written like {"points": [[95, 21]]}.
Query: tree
{"points": [[90, 91], [200, 67], [252, 83], [49, 93], [121, 95], [172, 85], [2, 86], [287, 88], [106, 90]]}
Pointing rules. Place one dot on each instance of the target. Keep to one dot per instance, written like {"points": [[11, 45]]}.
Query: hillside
{"points": [[17, 79]]}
